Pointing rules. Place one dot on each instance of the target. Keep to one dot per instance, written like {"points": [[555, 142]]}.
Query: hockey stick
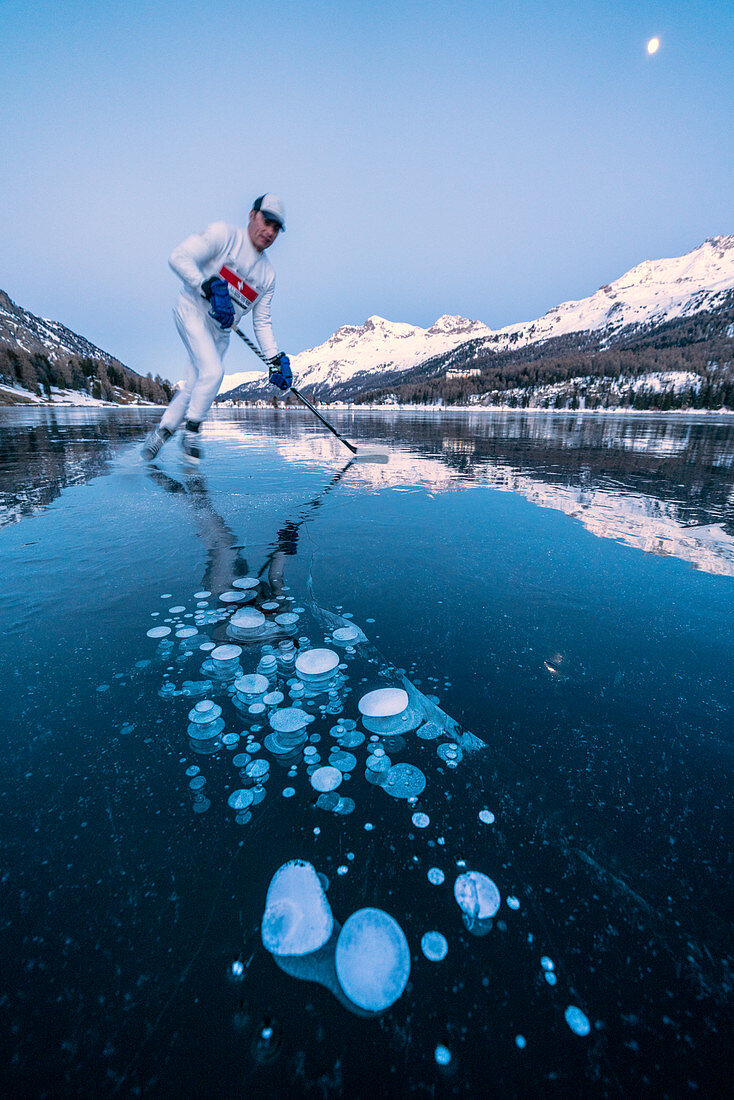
{"points": [[375, 453]]}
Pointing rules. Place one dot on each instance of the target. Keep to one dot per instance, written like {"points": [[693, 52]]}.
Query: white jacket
{"points": [[221, 245]]}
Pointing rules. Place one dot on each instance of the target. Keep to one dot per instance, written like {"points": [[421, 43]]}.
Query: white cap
{"points": [[271, 207]]}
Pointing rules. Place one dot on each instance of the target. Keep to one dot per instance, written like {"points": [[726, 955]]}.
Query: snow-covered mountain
{"points": [[22, 329], [653, 292]]}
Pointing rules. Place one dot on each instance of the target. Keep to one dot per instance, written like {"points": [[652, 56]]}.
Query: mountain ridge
{"points": [[652, 292]]}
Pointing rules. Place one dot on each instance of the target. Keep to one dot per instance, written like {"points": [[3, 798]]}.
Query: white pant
{"points": [[206, 344]]}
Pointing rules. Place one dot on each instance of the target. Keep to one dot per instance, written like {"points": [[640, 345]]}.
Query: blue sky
{"points": [[487, 159]]}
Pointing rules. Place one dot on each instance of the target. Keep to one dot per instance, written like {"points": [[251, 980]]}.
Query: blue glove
{"points": [[215, 290], [280, 371]]}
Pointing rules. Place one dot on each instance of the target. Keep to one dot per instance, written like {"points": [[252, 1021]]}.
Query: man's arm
{"points": [[262, 325], [191, 259]]}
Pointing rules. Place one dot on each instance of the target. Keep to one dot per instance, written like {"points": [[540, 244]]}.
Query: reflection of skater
{"points": [[225, 562], [225, 275]]}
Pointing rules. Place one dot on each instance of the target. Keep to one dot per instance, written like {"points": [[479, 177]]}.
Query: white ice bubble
{"points": [[434, 946], [442, 1055], [405, 781], [421, 821], [203, 595], [289, 720], [315, 663], [186, 632], [372, 959], [248, 620], [326, 779], [513, 902], [436, 876], [287, 618], [520, 1042], [550, 977], [344, 761], [487, 817], [240, 800], [547, 963], [477, 895], [245, 582], [297, 918], [383, 703], [252, 683], [226, 653], [288, 792], [175, 610], [577, 1020], [159, 631], [429, 731]]}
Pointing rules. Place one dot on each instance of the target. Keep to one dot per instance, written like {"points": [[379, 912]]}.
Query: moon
{"points": [[653, 45]]}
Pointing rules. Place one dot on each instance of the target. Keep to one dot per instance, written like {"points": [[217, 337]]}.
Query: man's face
{"points": [[262, 230]]}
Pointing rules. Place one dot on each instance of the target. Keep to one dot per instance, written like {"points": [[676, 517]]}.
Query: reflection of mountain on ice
{"points": [[635, 519]]}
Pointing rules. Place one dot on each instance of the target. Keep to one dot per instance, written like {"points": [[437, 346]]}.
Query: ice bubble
{"points": [[442, 1055], [187, 632], [226, 653], [240, 800], [288, 618], [230, 740], [270, 605], [421, 821], [342, 870], [436, 876], [289, 720], [204, 712], [203, 595], [520, 1042], [405, 781], [248, 620], [577, 1020], [251, 684], [434, 946], [273, 698], [175, 610], [166, 595], [193, 770], [288, 792], [513, 903], [477, 895], [550, 977], [235, 595], [328, 801], [245, 582], [344, 761], [197, 783], [547, 963], [241, 759], [429, 731], [383, 703], [486, 816], [351, 739], [256, 769], [297, 918], [372, 959], [344, 806], [326, 779], [450, 752], [316, 663], [159, 631]]}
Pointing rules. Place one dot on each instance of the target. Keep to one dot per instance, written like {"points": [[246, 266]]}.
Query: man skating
{"points": [[225, 274]]}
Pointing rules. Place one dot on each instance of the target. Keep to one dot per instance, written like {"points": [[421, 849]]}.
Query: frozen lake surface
{"points": [[539, 805]]}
